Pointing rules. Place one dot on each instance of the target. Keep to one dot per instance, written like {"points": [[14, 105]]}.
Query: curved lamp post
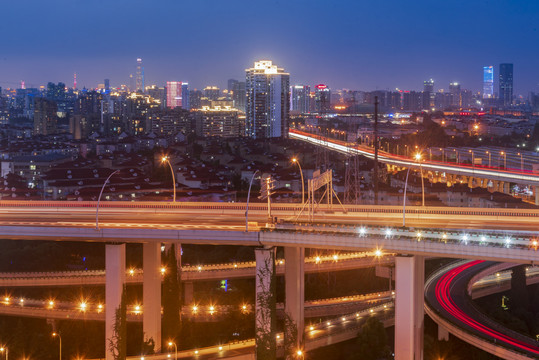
{"points": [[418, 158], [99, 199], [165, 159], [170, 343], [247, 206], [4, 348], [296, 161], [54, 334]]}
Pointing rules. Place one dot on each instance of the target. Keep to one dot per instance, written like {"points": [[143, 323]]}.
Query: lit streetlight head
{"points": [[299, 352], [418, 156], [164, 159], [170, 343], [294, 160], [54, 334]]}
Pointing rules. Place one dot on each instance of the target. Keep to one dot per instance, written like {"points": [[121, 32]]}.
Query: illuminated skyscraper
{"points": [[185, 96], [301, 98], [140, 76], [322, 99], [212, 92], [174, 94], [488, 82], [454, 90], [506, 84], [268, 101]]}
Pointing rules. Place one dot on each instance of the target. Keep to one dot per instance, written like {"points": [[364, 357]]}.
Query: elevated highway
{"points": [[482, 172]]}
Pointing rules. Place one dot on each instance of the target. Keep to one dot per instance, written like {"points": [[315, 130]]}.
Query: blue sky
{"points": [[357, 44]]}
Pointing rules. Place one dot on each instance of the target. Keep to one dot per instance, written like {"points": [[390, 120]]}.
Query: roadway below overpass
{"points": [[449, 305]]}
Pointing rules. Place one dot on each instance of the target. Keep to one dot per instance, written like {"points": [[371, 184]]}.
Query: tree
{"points": [[118, 341], [372, 341], [171, 296]]}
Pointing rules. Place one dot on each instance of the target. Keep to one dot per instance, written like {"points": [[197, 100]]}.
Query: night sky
{"points": [[355, 44]]}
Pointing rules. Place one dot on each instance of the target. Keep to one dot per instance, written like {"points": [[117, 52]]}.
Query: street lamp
{"points": [[504, 159], [54, 334], [418, 158], [521, 162], [299, 353], [296, 161], [489, 153], [473, 159], [247, 206], [4, 348], [165, 159], [99, 199], [170, 343]]}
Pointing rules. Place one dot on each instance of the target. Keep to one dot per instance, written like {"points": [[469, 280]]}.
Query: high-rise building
{"points": [[300, 98], [195, 99], [428, 85], [506, 84], [428, 94], [174, 94], [185, 96], [45, 116], [268, 101], [322, 99], [107, 85], [217, 121], [212, 92], [237, 89], [454, 90], [488, 82], [140, 76]]}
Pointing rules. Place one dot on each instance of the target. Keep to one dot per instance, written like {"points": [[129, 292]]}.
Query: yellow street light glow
{"points": [[131, 271], [170, 343], [163, 270], [378, 252], [199, 268], [317, 259], [278, 336], [311, 328], [196, 352], [335, 257], [83, 306], [195, 308], [51, 303], [418, 156], [164, 159], [100, 306], [294, 160], [328, 323], [299, 352], [220, 348]]}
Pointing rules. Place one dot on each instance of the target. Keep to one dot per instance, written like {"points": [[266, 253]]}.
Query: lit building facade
{"points": [[301, 99], [175, 90], [506, 84], [217, 121], [45, 116], [322, 99], [268, 101], [186, 104], [488, 82]]}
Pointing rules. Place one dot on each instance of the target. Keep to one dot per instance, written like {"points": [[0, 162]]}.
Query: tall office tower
{"points": [[45, 117], [428, 94], [268, 101], [185, 96], [428, 85], [140, 76], [237, 88], [212, 92], [322, 99], [488, 82], [454, 90], [107, 85], [506, 84], [174, 94], [300, 98]]}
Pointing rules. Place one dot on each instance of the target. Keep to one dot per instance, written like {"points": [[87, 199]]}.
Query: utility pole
{"points": [[376, 150]]}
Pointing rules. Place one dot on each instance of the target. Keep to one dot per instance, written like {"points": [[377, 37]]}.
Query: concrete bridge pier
{"points": [[443, 334], [151, 293], [114, 286], [265, 341], [294, 296], [410, 277], [536, 191], [188, 292]]}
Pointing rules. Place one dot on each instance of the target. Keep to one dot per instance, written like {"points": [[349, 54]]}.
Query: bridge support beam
{"points": [[114, 286], [409, 307], [443, 334], [265, 340], [536, 191], [188, 292], [294, 298], [151, 293]]}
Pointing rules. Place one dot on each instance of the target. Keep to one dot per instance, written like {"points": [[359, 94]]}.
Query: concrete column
{"points": [[294, 278], [265, 304], [506, 187], [443, 334], [471, 182], [114, 286], [151, 293], [188, 292], [536, 190], [409, 307]]}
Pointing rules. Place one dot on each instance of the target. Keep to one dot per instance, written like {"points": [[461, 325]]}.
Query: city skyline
{"points": [[346, 54]]}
